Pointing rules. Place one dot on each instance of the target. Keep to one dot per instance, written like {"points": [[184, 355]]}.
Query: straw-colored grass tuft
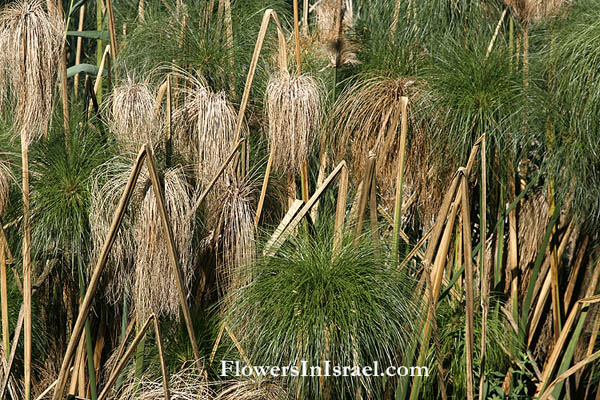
{"points": [[360, 123], [342, 52], [534, 10], [156, 288], [234, 232], [130, 112], [107, 188], [252, 389], [204, 125], [326, 11], [30, 46], [362, 117], [294, 113]]}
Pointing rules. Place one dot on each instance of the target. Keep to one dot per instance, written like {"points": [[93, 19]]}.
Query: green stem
{"points": [[404, 386], [90, 360], [68, 18], [452, 282]]}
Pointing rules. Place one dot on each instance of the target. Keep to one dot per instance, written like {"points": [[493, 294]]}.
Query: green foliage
{"points": [[189, 39], [468, 94], [521, 381], [195, 38], [573, 74], [84, 68], [247, 16], [310, 303], [501, 341], [418, 29], [61, 170]]}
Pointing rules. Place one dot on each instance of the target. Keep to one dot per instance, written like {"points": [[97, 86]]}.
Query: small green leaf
{"points": [[83, 68]]}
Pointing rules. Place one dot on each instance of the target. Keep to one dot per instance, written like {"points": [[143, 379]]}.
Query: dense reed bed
{"points": [[189, 183]]}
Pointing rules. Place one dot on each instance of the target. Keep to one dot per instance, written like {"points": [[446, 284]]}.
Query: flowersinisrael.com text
{"points": [[303, 369]]}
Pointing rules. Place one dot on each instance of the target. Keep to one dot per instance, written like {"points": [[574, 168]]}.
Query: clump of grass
{"points": [[106, 187], [426, 175], [130, 112], [293, 109], [204, 125], [156, 290], [528, 11], [396, 54], [366, 119], [9, 159], [182, 35], [235, 231], [30, 46], [398, 38], [347, 305], [362, 121], [481, 95], [61, 196], [362, 116], [572, 89]]}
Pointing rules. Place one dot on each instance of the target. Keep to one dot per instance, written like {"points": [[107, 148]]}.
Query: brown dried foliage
{"points": [[294, 112], [30, 47], [130, 114], [234, 232], [156, 289]]}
